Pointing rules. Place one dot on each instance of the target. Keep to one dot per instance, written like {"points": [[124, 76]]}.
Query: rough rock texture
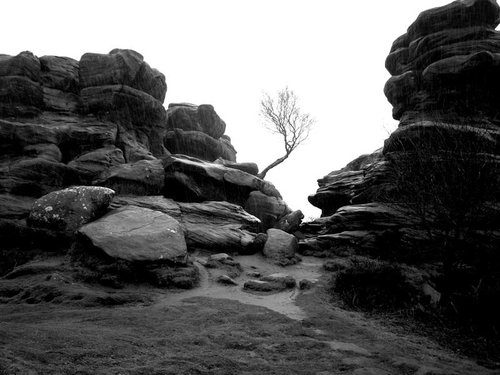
{"points": [[68, 209], [291, 222], [280, 246], [213, 226], [197, 131], [274, 283], [269, 209], [137, 234], [251, 168], [144, 177], [100, 122], [444, 90], [199, 145], [202, 118], [192, 180]]}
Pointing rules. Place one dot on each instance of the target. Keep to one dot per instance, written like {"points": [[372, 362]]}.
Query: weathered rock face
{"points": [[213, 226], [192, 180], [199, 145], [144, 177], [197, 131], [70, 131], [447, 61], [444, 90], [280, 246], [137, 234], [20, 89]]}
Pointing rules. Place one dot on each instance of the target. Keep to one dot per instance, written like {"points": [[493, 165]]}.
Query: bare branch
{"points": [[282, 115]]}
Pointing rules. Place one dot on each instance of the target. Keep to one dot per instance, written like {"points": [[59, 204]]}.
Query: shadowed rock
{"points": [[122, 67], [202, 118], [145, 177]]}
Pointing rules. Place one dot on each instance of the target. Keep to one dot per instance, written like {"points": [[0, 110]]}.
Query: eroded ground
{"points": [[213, 329]]}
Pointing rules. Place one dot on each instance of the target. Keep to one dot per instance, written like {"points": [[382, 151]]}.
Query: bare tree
{"points": [[282, 115]]}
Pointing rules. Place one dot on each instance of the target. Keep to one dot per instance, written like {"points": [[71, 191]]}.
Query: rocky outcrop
{"points": [[73, 133], [444, 90]]}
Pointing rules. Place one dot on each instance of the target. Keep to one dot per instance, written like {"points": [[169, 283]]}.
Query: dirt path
{"points": [[216, 329], [283, 303], [352, 338]]}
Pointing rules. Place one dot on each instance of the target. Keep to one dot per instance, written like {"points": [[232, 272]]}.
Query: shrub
{"points": [[374, 286]]}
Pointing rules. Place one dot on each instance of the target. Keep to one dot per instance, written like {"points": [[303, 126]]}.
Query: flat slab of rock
{"points": [[212, 226], [68, 209], [138, 234]]}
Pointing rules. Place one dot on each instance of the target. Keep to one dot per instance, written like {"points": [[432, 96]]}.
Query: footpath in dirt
{"points": [[217, 329]]}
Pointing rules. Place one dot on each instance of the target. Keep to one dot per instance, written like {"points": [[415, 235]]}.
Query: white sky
{"points": [[226, 53]]}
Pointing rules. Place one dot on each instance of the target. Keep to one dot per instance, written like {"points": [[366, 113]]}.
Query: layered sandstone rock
{"points": [[72, 130], [444, 90], [197, 131]]}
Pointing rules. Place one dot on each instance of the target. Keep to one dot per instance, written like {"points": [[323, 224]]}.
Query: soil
{"points": [[212, 329]]}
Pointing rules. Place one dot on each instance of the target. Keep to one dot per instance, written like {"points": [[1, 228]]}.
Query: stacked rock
{"points": [[444, 90], [198, 131], [100, 123]]}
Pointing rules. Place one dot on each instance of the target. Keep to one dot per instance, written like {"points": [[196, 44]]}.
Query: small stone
{"points": [[254, 274], [226, 280], [305, 284]]}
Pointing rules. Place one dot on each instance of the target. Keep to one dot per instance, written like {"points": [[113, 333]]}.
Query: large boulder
{"points": [[192, 180], [137, 234], [290, 222], [68, 209], [202, 118], [269, 209], [199, 145], [210, 226], [280, 246]]}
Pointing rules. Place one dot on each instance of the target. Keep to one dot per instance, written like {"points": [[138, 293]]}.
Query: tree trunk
{"points": [[278, 161]]}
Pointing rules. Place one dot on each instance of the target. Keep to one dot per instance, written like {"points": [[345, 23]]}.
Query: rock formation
{"points": [[444, 91], [73, 134]]}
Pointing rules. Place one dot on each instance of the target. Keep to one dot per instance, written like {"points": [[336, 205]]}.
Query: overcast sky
{"points": [[227, 53]]}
